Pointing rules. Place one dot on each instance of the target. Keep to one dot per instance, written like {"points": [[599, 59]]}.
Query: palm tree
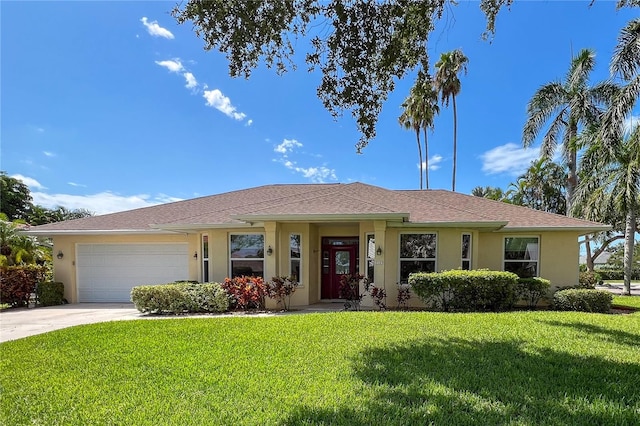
{"points": [[428, 110], [447, 84], [419, 111], [566, 106], [610, 185], [408, 121]]}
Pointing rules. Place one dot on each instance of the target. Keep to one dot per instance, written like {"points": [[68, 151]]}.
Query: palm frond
{"points": [[626, 55]]}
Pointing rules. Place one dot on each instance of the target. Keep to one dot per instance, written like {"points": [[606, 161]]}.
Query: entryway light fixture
{"points": [[60, 254], [269, 251], [195, 255], [379, 251]]}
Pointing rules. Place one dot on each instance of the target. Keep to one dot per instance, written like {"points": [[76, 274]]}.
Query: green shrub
{"points": [[533, 289], [588, 279], [584, 300], [181, 297], [458, 290], [618, 274], [50, 293]]}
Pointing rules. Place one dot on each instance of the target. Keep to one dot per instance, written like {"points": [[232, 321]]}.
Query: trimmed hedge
{"points": [[50, 293], [533, 289], [617, 274], [458, 290], [181, 297], [583, 300]]}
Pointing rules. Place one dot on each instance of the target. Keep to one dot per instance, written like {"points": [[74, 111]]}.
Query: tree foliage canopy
{"points": [[362, 48]]}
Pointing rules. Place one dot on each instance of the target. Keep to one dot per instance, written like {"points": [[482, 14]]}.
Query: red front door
{"points": [[337, 260]]}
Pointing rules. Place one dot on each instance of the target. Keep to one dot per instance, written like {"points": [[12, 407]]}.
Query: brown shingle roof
{"points": [[298, 200]]}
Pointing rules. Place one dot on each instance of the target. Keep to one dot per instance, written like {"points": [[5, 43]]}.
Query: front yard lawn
{"points": [[627, 301], [349, 368]]}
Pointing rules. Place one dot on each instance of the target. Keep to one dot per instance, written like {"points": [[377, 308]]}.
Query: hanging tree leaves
{"points": [[361, 47]]}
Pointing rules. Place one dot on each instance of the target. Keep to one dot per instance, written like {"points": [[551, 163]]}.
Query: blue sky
{"points": [[110, 106]]}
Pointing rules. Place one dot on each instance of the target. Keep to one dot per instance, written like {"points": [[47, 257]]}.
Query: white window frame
{"points": [[469, 253], [298, 259], [206, 273], [231, 259], [370, 257], [537, 254], [426, 259]]}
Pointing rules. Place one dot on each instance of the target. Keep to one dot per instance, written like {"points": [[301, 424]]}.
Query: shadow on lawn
{"points": [[614, 336], [453, 381]]}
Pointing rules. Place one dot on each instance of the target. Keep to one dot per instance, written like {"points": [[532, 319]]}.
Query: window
{"points": [[466, 252], [521, 256], [295, 257], [417, 254], [205, 258], [371, 256], [246, 254]]}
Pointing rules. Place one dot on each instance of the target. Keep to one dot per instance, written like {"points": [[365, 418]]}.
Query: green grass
{"points": [[627, 301], [350, 368]]}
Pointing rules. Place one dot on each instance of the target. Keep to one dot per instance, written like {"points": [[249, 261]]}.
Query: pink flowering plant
{"points": [[281, 289], [404, 294]]}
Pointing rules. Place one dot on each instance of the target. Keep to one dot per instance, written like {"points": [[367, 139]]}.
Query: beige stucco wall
{"points": [[558, 253]]}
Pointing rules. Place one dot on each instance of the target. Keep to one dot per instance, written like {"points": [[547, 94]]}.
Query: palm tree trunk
{"points": [[426, 160], [455, 140], [419, 154], [572, 180], [629, 241]]}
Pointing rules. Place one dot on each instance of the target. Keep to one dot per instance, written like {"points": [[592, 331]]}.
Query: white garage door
{"points": [[107, 272]]}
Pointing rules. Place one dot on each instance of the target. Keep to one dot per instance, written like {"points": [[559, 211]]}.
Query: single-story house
{"points": [[315, 232], [599, 261]]}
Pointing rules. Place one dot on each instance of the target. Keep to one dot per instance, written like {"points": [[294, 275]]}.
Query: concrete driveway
{"points": [[23, 322], [19, 323]]}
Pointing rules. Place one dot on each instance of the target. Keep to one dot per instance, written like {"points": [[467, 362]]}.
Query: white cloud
{"points": [[509, 158], [217, 100], [100, 203], [286, 146], [191, 80], [48, 154], [77, 184], [30, 182], [315, 174], [434, 162], [318, 174], [172, 65], [249, 122], [156, 30]]}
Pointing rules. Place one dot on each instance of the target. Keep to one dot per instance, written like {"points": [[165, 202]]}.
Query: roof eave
{"points": [[329, 217], [582, 230], [485, 225], [59, 232]]}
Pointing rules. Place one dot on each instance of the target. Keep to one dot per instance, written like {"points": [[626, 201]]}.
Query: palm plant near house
{"points": [[448, 86], [566, 106]]}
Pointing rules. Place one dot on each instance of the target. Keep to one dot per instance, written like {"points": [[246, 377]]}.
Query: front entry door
{"points": [[337, 260]]}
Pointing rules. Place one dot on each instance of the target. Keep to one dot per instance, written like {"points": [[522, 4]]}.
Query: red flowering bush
{"points": [[350, 290], [281, 289], [378, 295], [245, 292], [18, 282], [404, 294]]}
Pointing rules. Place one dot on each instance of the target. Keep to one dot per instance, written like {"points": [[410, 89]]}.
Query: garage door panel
{"points": [[107, 272]]}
